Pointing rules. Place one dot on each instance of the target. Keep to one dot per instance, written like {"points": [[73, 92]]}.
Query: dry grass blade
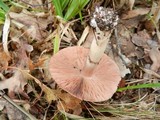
{"points": [[6, 29], [83, 37]]}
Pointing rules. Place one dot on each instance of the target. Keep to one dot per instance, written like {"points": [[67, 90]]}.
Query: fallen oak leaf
{"points": [[14, 84]]}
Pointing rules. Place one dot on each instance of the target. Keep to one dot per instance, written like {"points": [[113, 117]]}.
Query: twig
{"points": [[17, 106], [150, 72]]}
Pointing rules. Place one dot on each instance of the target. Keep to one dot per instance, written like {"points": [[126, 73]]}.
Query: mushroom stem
{"points": [[97, 49]]}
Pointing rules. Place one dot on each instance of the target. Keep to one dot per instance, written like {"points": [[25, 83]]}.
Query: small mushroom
{"points": [[87, 74]]}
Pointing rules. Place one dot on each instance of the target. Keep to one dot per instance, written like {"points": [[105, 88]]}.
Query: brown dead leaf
{"points": [[50, 94], [34, 26], [14, 84], [123, 69], [154, 54], [133, 22], [141, 38], [39, 63], [122, 83], [4, 58], [124, 38], [155, 57], [134, 13], [69, 103]]}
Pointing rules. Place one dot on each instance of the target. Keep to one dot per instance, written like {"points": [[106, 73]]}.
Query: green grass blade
{"points": [[80, 15], [4, 6], [74, 8], [65, 3], [149, 85], [58, 7], [2, 13], [2, 16], [56, 44]]}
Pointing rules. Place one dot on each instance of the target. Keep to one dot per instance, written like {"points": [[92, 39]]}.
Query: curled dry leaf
{"points": [[14, 84], [155, 57], [123, 69]]}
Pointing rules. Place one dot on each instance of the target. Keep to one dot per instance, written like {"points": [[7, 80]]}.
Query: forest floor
{"points": [[31, 33]]}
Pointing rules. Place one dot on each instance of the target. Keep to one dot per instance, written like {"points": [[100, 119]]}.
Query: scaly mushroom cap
{"points": [[66, 68], [104, 18]]}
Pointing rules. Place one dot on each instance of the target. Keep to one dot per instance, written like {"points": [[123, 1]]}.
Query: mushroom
{"points": [[89, 75]]}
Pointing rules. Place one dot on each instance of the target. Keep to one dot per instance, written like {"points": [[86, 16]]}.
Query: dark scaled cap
{"points": [[104, 18]]}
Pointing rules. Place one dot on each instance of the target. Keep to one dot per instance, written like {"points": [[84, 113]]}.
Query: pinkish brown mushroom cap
{"points": [[66, 68]]}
